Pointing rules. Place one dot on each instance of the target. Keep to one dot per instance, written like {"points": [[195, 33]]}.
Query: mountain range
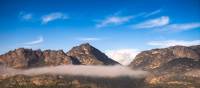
{"points": [[85, 54], [172, 67]]}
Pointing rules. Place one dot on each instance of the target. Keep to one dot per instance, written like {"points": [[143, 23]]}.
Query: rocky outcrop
{"points": [[87, 54], [179, 65], [152, 59], [52, 57]]}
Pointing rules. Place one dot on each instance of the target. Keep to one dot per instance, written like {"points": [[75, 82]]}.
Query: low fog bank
{"points": [[77, 70]]}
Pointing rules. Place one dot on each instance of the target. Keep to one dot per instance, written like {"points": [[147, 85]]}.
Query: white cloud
{"points": [[89, 39], [123, 56], [153, 13], [53, 16], [34, 42], [25, 16], [181, 27], [168, 43], [116, 20], [152, 23]]}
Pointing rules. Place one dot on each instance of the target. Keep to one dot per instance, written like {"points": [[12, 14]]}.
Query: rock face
{"points": [[152, 59], [170, 67], [52, 57], [87, 54], [27, 58]]}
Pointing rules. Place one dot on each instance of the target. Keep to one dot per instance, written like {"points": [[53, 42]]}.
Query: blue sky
{"points": [[117, 27]]}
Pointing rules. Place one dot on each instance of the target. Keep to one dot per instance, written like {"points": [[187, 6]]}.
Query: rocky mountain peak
{"points": [[81, 49], [87, 54]]}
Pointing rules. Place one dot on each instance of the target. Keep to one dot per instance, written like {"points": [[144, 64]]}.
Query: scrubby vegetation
{"points": [[47, 81]]}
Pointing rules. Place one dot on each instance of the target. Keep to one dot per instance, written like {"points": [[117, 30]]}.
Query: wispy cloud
{"points": [[25, 16], [53, 16], [152, 23], [163, 24], [153, 13], [174, 42], [123, 56], [180, 27], [88, 39], [113, 20], [34, 42]]}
